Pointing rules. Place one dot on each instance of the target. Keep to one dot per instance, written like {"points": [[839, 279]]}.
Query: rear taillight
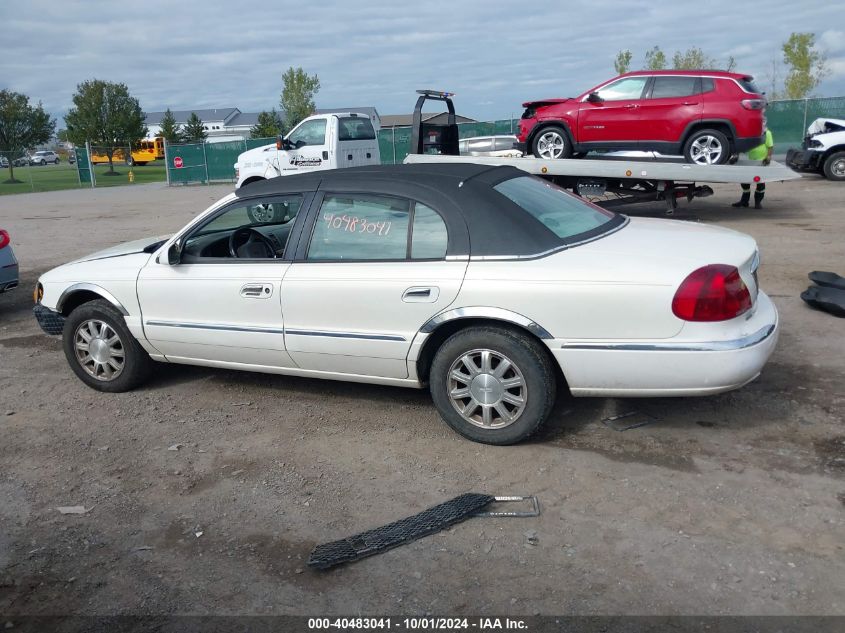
{"points": [[753, 104], [712, 293], [4, 238]]}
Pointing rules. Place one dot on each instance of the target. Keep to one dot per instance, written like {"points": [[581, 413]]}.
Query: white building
{"points": [[220, 123]]}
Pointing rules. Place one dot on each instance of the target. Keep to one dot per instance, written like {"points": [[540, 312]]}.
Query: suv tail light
{"points": [[4, 238], [753, 104], [711, 293]]}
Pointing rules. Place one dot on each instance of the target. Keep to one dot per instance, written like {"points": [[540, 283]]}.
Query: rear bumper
{"points": [[673, 367], [51, 322], [744, 144]]}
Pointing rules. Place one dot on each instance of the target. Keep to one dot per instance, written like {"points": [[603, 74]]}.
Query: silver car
{"points": [[43, 157], [8, 264]]}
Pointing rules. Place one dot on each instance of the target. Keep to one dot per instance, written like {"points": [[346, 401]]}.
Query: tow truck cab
{"points": [[324, 141]]}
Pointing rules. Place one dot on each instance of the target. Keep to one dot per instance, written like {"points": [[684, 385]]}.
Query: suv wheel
{"points": [[707, 147], [834, 166], [493, 385], [101, 350], [551, 142]]}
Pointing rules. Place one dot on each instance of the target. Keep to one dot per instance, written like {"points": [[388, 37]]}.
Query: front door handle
{"points": [[421, 294], [632, 105], [257, 291]]}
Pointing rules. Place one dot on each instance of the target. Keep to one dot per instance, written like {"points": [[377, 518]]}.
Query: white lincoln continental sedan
{"points": [[490, 287]]}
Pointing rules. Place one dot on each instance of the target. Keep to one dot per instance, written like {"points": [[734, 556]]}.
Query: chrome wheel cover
{"points": [[551, 144], [706, 150], [487, 389], [99, 350], [838, 167]]}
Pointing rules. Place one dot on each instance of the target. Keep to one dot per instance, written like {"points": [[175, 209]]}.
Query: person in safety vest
{"points": [[763, 152]]}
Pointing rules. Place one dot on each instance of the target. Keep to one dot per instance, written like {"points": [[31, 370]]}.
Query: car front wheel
{"points": [[101, 350], [551, 142], [707, 147], [493, 385], [834, 166]]}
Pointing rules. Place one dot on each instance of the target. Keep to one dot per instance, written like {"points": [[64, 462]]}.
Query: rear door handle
{"points": [[421, 294], [632, 105], [690, 102], [257, 291]]}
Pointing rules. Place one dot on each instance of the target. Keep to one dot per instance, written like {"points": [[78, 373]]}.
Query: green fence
{"points": [[206, 162], [788, 120]]}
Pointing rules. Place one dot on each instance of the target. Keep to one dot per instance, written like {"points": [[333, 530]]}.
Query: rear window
{"points": [[563, 213], [355, 129], [748, 85]]}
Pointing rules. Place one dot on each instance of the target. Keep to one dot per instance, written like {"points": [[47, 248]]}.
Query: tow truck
{"points": [[608, 181]]}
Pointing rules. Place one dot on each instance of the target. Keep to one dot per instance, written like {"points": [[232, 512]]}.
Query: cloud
{"points": [[493, 53]]}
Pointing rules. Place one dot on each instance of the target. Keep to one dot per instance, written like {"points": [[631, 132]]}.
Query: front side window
{"points": [[355, 128], [309, 133], [563, 213], [623, 89], [666, 87], [249, 229]]}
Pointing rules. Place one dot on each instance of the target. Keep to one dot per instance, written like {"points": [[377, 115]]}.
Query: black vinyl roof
{"points": [[480, 220]]}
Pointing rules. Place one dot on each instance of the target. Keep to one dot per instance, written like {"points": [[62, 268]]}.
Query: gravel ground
{"points": [[732, 504]]}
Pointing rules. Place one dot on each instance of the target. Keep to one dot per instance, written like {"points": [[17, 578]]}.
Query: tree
{"points": [[171, 132], [807, 66], [21, 126], [194, 130], [655, 59], [106, 115], [622, 63], [731, 65], [692, 59], [298, 95], [268, 124]]}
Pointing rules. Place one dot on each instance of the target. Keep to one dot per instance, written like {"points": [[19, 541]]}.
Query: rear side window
{"points": [[429, 238], [355, 129], [748, 85], [666, 87], [707, 84], [561, 212]]}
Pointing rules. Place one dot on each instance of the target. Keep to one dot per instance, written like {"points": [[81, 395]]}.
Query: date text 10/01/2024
{"points": [[418, 624]]}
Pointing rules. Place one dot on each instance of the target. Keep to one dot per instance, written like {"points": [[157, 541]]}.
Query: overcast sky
{"points": [[193, 54]]}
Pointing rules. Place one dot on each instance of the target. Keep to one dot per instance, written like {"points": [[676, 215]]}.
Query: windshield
{"points": [[563, 213]]}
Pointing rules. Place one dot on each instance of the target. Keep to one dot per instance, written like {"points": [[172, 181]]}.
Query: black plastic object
{"points": [[831, 300], [431, 138], [405, 530], [51, 322], [828, 279]]}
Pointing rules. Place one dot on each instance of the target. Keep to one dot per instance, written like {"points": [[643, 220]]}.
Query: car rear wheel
{"points": [[834, 166], [551, 142], [493, 385], [101, 350], [707, 147]]}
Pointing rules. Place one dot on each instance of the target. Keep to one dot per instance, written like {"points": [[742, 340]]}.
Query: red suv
{"points": [[705, 115]]}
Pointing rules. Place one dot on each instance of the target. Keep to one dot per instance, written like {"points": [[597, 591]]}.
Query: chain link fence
{"points": [[788, 119]]}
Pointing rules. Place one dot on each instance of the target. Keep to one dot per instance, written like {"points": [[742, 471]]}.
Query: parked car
{"points": [[42, 157], [706, 116], [4, 162], [500, 145], [8, 263], [823, 150], [21, 161], [71, 157], [487, 285]]}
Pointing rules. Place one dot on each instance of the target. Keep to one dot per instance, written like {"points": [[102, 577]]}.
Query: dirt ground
{"points": [[733, 504]]}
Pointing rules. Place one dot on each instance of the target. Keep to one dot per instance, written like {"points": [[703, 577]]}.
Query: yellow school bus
{"points": [[147, 150]]}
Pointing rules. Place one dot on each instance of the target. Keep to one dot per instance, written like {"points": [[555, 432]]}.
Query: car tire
{"points": [[834, 166], [551, 142], [707, 147], [523, 389], [43, 163], [100, 321]]}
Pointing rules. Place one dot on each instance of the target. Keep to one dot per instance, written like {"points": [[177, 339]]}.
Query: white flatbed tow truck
{"points": [[628, 180]]}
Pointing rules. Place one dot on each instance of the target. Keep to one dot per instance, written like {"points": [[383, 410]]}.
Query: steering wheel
{"points": [[247, 235]]}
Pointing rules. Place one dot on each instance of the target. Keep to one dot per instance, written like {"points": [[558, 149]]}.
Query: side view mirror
{"points": [[282, 143], [174, 253], [594, 98]]}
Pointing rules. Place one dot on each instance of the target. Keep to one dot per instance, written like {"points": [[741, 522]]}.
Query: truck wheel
{"points": [[493, 385], [551, 142], [834, 166], [707, 147]]}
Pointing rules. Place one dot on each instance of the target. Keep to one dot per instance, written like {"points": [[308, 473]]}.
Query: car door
{"points": [[373, 271], [672, 103], [613, 116], [309, 144], [214, 307]]}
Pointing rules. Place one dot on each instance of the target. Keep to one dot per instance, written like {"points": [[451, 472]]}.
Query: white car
{"points": [[487, 285], [43, 157]]}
